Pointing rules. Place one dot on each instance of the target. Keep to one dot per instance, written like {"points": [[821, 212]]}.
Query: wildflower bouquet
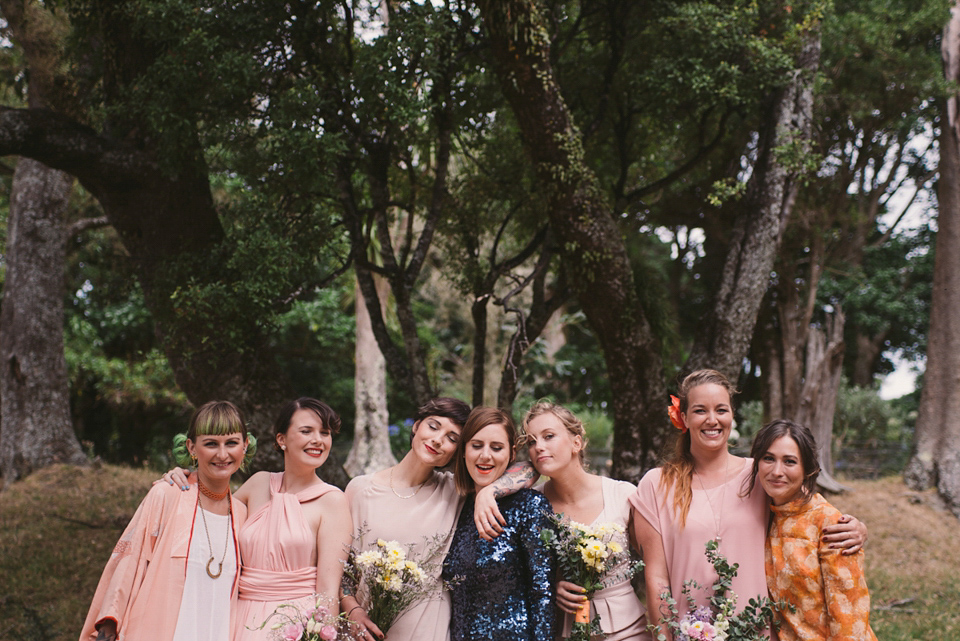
{"points": [[719, 621], [588, 556], [315, 623], [389, 583]]}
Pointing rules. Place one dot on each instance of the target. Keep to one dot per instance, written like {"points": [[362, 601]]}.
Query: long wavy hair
{"points": [[677, 472]]}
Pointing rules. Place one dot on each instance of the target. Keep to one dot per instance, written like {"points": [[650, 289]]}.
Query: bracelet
{"points": [[351, 610]]}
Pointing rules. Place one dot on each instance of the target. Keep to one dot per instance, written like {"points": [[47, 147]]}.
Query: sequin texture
{"points": [[503, 589]]}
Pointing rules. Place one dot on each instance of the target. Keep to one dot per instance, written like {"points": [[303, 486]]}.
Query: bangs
{"points": [[217, 418]]}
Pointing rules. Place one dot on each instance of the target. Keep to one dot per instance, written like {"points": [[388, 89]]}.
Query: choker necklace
{"points": [[203, 515], [409, 496], [717, 519], [210, 494]]}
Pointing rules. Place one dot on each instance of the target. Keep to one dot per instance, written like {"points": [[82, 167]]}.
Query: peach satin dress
{"points": [[277, 548]]}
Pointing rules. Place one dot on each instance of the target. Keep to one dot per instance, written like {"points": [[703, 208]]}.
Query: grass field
{"points": [[57, 529]]}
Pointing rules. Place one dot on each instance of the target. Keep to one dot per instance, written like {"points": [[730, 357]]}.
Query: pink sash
{"points": [[267, 585]]}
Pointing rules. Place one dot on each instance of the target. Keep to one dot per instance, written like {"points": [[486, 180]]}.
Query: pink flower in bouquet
{"points": [[318, 612], [292, 632], [328, 633]]}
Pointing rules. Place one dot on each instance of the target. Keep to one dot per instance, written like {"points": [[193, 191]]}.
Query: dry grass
{"points": [[913, 567], [57, 529]]}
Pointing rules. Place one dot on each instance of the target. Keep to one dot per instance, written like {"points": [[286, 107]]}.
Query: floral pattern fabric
{"points": [[828, 589]]}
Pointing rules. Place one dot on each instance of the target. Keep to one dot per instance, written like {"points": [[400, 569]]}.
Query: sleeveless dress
{"points": [[276, 547], [623, 617], [421, 523]]}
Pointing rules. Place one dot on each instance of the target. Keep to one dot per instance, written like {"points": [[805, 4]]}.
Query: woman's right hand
{"points": [[362, 626], [177, 476], [107, 631], [570, 596]]}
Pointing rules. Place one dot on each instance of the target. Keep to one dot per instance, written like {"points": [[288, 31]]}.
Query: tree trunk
{"points": [[35, 427], [592, 247], [771, 191], [822, 375], [371, 440], [936, 459]]}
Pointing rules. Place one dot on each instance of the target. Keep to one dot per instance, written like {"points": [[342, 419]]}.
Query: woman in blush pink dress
{"points": [[556, 441], [416, 503], [296, 537], [695, 498]]}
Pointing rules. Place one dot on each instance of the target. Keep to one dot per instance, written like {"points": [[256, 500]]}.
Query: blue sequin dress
{"points": [[503, 589]]}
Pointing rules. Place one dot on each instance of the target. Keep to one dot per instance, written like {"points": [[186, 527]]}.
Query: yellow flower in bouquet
{"points": [[390, 582]]}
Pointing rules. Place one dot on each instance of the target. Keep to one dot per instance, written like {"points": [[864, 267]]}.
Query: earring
{"points": [[283, 447], [193, 457]]}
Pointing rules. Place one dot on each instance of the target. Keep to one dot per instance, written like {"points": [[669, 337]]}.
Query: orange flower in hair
{"points": [[676, 416]]}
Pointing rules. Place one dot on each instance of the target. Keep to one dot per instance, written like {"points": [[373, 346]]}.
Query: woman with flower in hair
{"points": [[556, 441], [174, 572], [695, 498]]}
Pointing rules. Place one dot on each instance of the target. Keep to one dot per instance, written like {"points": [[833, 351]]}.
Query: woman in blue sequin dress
{"points": [[502, 590]]}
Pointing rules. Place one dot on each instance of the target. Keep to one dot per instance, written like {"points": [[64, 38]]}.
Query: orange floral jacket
{"points": [[828, 589]]}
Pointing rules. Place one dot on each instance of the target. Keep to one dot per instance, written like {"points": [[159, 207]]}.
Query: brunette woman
{"points": [[828, 590], [503, 589]]}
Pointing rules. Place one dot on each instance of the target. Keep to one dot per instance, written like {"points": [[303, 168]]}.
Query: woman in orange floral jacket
{"points": [[828, 590]]}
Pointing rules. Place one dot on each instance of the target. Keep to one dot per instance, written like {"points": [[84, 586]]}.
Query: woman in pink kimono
{"points": [[174, 572], [556, 441]]}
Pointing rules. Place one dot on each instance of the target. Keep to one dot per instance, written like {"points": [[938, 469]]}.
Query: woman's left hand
{"points": [[570, 596], [848, 535], [486, 514]]}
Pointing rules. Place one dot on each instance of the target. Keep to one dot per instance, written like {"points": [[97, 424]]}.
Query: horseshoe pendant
{"points": [[219, 570]]}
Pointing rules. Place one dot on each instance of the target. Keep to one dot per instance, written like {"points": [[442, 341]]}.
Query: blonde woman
{"points": [[556, 441]]}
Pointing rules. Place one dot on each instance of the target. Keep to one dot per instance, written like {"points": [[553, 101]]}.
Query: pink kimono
{"points": [[142, 584]]}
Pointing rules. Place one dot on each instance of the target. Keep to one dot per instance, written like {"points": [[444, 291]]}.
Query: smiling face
{"points": [[307, 440], [435, 440], [487, 455], [218, 456], [709, 417], [550, 444], [781, 472]]}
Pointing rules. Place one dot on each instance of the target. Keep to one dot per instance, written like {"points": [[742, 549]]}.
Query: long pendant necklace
{"points": [[409, 496], [206, 529], [717, 518]]}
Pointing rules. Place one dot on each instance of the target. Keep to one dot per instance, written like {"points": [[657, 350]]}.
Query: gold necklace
{"points": [[210, 543], [717, 520], [400, 496]]}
